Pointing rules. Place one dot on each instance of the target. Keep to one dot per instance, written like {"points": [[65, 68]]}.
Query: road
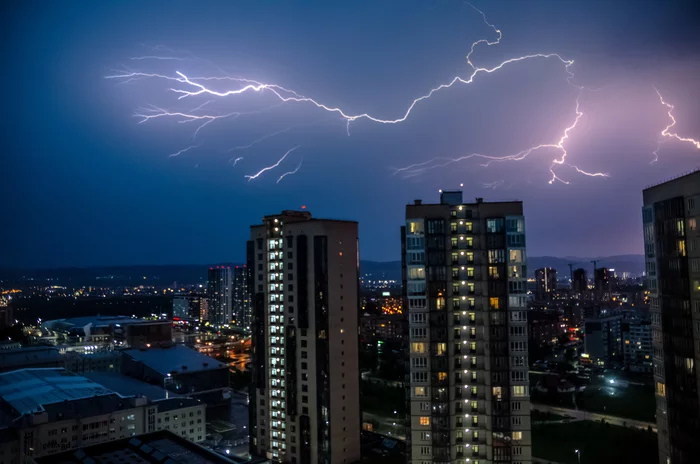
{"points": [[576, 414], [387, 425]]}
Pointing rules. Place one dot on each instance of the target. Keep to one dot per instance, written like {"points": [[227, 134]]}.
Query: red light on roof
{"points": [[236, 267], [211, 268], [303, 206]]}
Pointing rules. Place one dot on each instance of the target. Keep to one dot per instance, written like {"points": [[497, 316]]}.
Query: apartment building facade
{"points": [[304, 397], [671, 214], [465, 285]]}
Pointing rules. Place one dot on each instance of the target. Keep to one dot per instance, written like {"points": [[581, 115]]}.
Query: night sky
{"points": [[84, 184]]}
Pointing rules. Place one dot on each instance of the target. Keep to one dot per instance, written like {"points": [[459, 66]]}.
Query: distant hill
{"points": [[197, 273]]}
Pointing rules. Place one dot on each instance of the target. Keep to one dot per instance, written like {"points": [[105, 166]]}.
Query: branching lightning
{"points": [[268, 168], [666, 132], [186, 87], [289, 173], [184, 150]]}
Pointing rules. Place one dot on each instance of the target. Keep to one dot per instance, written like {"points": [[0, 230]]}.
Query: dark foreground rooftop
{"points": [[161, 447]]}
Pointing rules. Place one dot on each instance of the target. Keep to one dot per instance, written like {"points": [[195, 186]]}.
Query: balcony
{"points": [[459, 440], [460, 454]]}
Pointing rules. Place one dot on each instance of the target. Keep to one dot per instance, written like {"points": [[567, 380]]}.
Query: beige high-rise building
{"points": [[304, 398], [671, 215], [465, 285]]}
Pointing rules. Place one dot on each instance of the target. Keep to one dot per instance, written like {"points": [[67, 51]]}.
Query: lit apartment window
{"points": [[418, 347], [420, 392], [517, 435], [519, 390], [424, 420]]}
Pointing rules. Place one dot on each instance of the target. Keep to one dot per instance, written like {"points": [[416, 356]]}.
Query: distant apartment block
{"points": [[219, 295]]}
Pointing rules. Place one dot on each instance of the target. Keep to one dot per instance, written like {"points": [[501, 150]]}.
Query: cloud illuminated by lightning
{"points": [[666, 132], [189, 86], [289, 173], [265, 169]]}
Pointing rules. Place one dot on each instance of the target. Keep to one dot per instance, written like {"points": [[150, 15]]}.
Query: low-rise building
{"points": [[181, 370], [32, 356], [53, 410]]}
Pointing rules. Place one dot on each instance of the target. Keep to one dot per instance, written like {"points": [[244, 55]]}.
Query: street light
{"points": [[578, 456]]}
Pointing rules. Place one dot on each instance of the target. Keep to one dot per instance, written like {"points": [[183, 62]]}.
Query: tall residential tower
{"points": [[671, 214], [465, 287], [219, 295], [241, 296], [304, 396]]}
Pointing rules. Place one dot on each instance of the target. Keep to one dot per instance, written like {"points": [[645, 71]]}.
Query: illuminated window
{"points": [[692, 224], [442, 376], [517, 435], [497, 392], [494, 302], [418, 347], [415, 227], [519, 390], [424, 420], [441, 349], [660, 389], [681, 247], [420, 392]]}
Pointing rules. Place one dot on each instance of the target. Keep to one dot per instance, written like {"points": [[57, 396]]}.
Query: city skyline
{"points": [[94, 180]]}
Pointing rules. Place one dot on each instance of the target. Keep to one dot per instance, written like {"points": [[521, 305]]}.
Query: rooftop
{"points": [[157, 447], [128, 386], [81, 322], [175, 359], [20, 357], [29, 390]]}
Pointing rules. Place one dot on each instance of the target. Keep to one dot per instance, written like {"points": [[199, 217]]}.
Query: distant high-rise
{"points": [[671, 214], [466, 298], [304, 396], [241, 296], [188, 306], [602, 284], [579, 282], [219, 289], [546, 280]]}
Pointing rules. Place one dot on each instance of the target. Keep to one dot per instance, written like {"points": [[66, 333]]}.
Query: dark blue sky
{"points": [[84, 184]]}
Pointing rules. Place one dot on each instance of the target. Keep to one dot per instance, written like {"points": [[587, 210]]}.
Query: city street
{"points": [[578, 415]]}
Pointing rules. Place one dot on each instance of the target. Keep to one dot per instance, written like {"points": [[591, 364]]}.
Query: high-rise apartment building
{"points": [[546, 280], [465, 290], [241, 296], [671, 214], [304, 396], [579, 282], [602, 276], [219, 289]]}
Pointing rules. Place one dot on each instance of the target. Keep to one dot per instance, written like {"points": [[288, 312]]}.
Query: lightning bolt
{"points": [[267, 168], [184, 150], [236, 161], [665, 132], [185, 86], [290, 172], [492, 185]]}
